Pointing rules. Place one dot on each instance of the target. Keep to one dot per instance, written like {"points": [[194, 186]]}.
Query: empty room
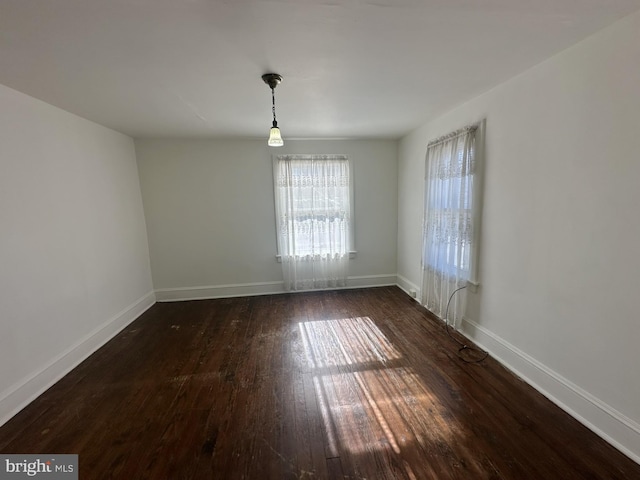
{"points": [[348, 239]]}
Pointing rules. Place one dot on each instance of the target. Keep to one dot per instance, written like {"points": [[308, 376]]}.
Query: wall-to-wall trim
{"points": [[408, 287], [218, 291], [604, 420], [19, 395], [259, 288], [364, 281]]}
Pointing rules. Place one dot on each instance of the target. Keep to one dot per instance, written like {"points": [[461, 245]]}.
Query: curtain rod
{"points": [[457, 133]]}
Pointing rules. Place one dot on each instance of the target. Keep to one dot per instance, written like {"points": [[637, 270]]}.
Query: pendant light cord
{"points": [[273, 106]]}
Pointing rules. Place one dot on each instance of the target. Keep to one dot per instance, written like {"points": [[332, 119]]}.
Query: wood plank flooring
{"points": [[352, 384]]}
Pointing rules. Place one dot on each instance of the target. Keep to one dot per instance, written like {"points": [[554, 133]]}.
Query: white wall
{"points": [[74, 263], [559, 255], [210, 213]]}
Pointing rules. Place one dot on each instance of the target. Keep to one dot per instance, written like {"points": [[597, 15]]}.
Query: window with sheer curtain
{"points": [[450, 222], [313, 219]]}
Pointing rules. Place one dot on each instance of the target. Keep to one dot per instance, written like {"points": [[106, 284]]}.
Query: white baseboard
{"points": [[365, 281], [261, 288], [617, 429], [408, 286], [19, 395], [218, 291]]}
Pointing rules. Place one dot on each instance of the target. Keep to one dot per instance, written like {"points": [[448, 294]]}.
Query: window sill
{"points": [[473, 286]]}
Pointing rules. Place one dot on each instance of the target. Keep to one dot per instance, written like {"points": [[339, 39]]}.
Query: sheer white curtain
{"points": [[313, 216], [449, 222]]}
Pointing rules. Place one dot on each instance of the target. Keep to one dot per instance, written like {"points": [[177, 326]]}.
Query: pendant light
{"points": [[275, 139]]}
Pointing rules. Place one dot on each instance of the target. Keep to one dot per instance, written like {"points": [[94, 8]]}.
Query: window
{"points": [[450, 220], [313, 216], [450, 216]]}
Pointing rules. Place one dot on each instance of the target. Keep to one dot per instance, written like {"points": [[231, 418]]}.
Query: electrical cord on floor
{"points": [[463, 346]]}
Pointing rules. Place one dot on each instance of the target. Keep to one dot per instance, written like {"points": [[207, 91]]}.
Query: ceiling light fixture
{"points": [[273, 80]]}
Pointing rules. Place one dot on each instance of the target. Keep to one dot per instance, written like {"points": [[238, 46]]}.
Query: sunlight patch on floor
{"points": [[367, 397]]}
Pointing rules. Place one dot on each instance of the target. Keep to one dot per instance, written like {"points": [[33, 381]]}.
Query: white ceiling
{"points": [[351, 68]]}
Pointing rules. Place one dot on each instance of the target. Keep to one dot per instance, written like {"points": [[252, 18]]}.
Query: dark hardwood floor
{"points": [[353, 384]]}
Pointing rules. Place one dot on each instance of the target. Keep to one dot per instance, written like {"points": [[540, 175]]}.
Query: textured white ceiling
{"points": [[351, 68]]}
